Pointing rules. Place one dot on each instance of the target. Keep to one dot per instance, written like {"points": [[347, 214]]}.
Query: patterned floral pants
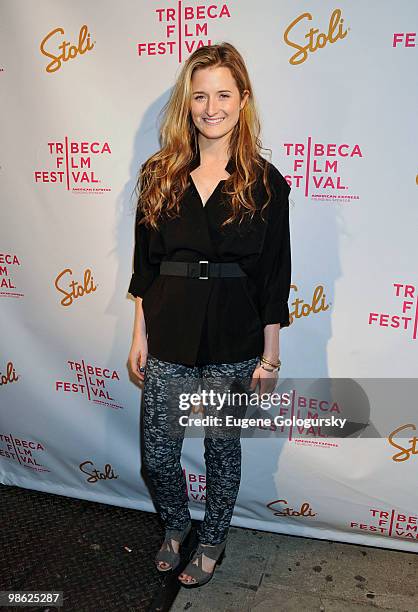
{"points": [[163, 441]]}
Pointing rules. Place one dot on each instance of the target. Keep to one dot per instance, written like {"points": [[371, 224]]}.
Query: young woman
{"points": [[211, 280]]}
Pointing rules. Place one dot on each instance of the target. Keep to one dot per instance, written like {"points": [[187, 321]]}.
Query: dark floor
{"points": [[49, 542]]}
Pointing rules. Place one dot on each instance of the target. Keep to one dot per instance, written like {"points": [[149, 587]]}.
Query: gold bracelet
{"points": [[275, 365], [262, 363], [268, 369]]}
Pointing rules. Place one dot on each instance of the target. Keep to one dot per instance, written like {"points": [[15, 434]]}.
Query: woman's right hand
{"points": [[138, 358]]}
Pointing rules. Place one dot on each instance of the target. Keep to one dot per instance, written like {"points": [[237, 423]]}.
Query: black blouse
{"points": [[217, 320]]}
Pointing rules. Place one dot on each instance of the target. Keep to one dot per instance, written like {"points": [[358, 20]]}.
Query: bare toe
{"points": [[186, 578], [163, 564]]}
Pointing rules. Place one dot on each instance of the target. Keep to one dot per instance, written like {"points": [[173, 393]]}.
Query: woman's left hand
{"points": [[266, 380]]}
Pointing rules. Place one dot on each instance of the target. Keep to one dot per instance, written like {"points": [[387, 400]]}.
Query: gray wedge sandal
{"points": [[216, 553], [170, 556]]}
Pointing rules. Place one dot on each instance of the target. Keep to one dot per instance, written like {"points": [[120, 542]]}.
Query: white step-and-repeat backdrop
{"points": [[82, 85]]}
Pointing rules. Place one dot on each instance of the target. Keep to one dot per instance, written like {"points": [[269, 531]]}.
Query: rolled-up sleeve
{"points": [[274, 266], [144, 272]]}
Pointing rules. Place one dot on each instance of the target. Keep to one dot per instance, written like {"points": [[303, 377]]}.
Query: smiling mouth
{"points": [[213, 121]]}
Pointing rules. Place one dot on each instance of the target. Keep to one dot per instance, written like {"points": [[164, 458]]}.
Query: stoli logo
{"points": [[408, 450], [67, 51], [315, 40], [305, 309], [10, 375], [280, 507], [72, 289]]}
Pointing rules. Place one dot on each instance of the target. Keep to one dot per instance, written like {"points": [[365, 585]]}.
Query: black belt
{"points": [[201, 269]]}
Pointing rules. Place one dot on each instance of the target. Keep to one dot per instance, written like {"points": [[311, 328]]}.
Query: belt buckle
{"points": [[203, 261]]}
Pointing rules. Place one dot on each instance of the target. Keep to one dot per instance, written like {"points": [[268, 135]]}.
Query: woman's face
{"points": [[215, 103]]}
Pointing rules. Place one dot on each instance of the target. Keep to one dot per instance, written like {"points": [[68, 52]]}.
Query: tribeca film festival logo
{"points": [[25, 452], [393, 524], [71, 289], [75, 165], [280, 507], [305, 309], [8, 288], [307, 419], [96, 475], [9, 376], [404, 39], [91, 382], [316, 169], [315, 39], [185, 29], [408, 320], [58, 49], [195, 486]]}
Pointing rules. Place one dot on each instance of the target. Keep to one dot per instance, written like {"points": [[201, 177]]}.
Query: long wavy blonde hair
{"points": [[163, 178]]}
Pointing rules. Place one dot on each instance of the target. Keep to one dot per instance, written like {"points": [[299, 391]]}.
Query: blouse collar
{"points": [[230, 167]]}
